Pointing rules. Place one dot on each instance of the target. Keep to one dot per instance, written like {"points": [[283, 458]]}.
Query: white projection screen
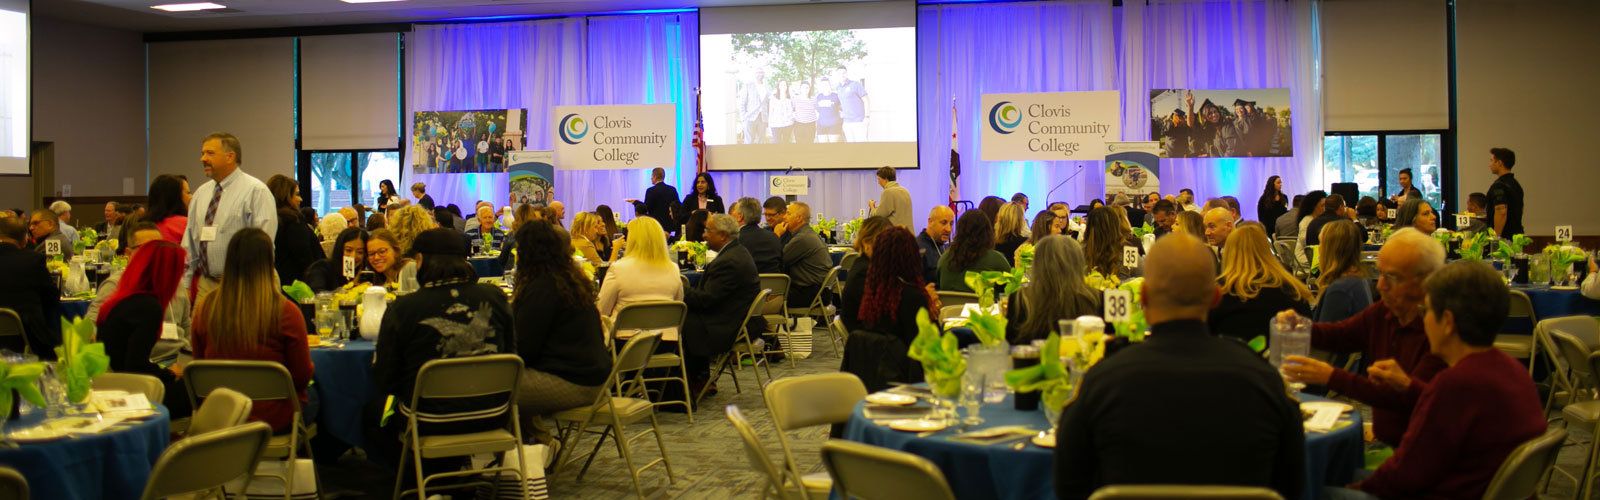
{"points": [[14, 134], [820, 86]]}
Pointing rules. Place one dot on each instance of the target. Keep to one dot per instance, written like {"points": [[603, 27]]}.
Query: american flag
{"points": [[955, 158], [699, 140]]}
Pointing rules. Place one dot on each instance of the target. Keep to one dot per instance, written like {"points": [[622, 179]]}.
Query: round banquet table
{"points": [[74, 308], [114, 464], [343, 379], [837, 254], [487, 267], [1550, 303], [997, 471], [693, 276]]}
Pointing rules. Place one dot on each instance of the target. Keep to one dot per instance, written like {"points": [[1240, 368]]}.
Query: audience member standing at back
{"points": [[659, 198], [805, 257], [896, 200], [1117, 429], [225, 205], [1272, 205], [295, 246], [1505, 195]]}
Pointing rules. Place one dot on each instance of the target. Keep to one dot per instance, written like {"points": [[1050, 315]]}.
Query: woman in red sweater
{"points": [[130, 321], [248, 319], [1471, 415]]}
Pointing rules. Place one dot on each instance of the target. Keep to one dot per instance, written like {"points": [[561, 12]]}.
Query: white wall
{"points": [[1384, 65], [1528, 71], [243, 87], [88, 98]]}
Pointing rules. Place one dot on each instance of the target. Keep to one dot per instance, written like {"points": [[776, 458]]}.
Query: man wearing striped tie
{"points": [[232, 200]]}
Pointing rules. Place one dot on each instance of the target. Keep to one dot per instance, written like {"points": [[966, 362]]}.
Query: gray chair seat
{"points": [[455, 445], [1585, 413]]}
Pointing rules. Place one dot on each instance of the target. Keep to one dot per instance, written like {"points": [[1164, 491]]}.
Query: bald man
{"points": [[1119, 429], [805, 257], [933, 240], [485, 226], [561, 210], [1219, 224]]}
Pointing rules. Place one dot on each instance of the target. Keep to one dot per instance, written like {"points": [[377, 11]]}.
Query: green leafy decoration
{"points": [[799, 56], [851, 228], [79, 358], [1258, 344], [1473, 245], [1049, 377], [299, 291], [1136, 326], [1513, 247], [940, 355], [1562, 256], [1025, 258], [1143, 230], [20, 378]]}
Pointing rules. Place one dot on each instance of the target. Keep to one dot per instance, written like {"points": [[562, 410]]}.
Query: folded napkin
{"points": [[940, 355]]}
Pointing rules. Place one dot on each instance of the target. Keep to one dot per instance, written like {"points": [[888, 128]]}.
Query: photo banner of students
{"points": [[1240, 123], [465, 142], [1049, 126], [533, 177], [616, 137], [1132, 168]]}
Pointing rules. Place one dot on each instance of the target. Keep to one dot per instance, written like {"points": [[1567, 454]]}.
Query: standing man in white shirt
{"points": [[231, 201], [896, 200]]}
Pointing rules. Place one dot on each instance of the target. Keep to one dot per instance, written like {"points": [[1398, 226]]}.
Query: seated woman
{"points": [[1254, 287], [694, 228], [894, 294], [328, 274], [1190, 222], [450, 316], [328, 230], [1471, 415], [1342, 290], [644, 273], [1128, 238], [1008, 231], [1103, 240], [524, 214], [855, 282], [1417, 213], [131, 320], [558, 329], [1045, 223], [1056, 292], [586, 232], [383, 256], [248, 318], [295, 245], [972, 249]]}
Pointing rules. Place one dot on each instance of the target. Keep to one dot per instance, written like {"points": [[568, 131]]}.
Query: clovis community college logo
{"points": [[1004, 117], [573, 129]]}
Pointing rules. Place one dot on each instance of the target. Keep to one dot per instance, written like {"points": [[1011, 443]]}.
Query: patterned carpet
{"points": [[708, 458]]}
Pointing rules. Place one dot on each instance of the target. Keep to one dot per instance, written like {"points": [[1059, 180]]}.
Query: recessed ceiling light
{"points": [[370, 1], [188, 7]]}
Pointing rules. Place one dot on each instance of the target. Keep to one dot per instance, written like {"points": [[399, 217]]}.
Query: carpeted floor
{"points": [[708, 458]]}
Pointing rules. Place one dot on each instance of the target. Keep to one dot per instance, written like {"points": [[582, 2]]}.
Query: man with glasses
{"points": [[1387, 330], [42, 229]]}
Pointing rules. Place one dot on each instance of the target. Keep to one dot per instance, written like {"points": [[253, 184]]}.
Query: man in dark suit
{"points": [[717, 306], [659, 198], [762, 244], [30, 291], [1121, 429]]}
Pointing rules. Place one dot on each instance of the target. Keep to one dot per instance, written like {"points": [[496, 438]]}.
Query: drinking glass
{"points": [[1290, 336], [1538, 270], [973, 383]]}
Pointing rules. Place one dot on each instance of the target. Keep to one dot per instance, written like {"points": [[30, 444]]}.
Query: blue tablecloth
{"points": [[1000, 472], [836, 255], [74, 308], [344, 382], [1548, 303], [487, 267], [694, 277], [111, 465]]}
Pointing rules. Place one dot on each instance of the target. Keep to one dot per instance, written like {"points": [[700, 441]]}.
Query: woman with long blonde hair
{"points": [[586, 230], [1255, 286], [247, 318], [1342, 289], [1008, 231], [409, 222], [644, 272]]}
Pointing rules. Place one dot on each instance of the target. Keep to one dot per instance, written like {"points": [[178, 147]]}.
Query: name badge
{"points": [[208, 233]]}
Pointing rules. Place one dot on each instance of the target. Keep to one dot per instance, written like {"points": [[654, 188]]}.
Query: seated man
{"points": [[1219, 224], [1333, 209], [485, 225], [762, 244], [1121, 428], [29, 290], [719, 303], [1474, 412], [933, 240], [1163, 214], [1390, 329], [776, 211], [44, 227], [805, 257]]}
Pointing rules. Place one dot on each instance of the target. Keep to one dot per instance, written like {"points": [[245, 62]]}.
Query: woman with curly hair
{"points": [[557, 328], [893, 296], [409, 222], [972, 249]]}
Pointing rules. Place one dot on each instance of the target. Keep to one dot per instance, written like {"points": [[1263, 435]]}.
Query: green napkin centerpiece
{"points": [[1136, 326], [79, 358], [1050, 377], [851, 228], [989, 323], [1561, 257], [1512, 247], [1143, 230], [1473, 245], [695, 249], [20, 378], [299, 291], [940, 355]]}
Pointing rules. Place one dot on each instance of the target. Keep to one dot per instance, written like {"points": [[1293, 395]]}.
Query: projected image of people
{"points": [[807, 87], [464, 142], [1221, 123]]}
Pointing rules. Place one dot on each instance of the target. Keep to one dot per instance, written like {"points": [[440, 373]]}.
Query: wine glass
{"points": [[973, 383]]}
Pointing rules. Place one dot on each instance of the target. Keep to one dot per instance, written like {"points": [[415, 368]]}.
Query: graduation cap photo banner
{"points": [[1234, 123]]}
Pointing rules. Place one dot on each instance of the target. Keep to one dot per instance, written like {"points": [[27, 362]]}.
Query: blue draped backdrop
{"points": [[964, 51]]}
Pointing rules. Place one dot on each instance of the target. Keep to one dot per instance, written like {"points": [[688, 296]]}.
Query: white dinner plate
{"points": [[35, 434], [1314, 405], [1563, 288], [889, 398], [917, 425]]}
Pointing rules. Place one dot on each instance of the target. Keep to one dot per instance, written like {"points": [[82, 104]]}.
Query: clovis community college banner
{"points": [[616, 137], [1046, 126]]}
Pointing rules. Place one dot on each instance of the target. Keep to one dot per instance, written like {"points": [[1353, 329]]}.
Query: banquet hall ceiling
{"points": [[136, 15]]}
